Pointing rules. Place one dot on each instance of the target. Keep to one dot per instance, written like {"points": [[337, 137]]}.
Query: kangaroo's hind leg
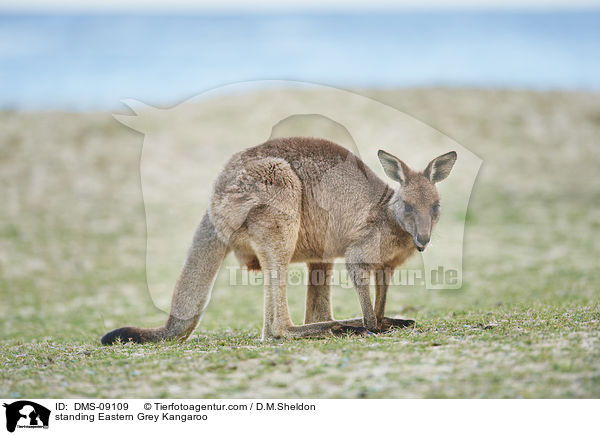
{"points": [[266, 197], [273, 237], [318, 301], [318, 293]]}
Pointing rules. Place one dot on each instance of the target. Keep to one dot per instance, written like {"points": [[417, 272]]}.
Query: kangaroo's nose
{"points": [[423, 239]]}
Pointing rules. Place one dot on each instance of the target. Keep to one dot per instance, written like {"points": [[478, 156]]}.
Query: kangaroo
{"points": [[309, 200]]}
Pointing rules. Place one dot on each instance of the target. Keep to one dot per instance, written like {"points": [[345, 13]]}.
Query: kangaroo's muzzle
{"points": [[421, 241]]}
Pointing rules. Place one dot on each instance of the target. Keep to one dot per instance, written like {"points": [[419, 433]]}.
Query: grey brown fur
{"points": [[305, 200]]}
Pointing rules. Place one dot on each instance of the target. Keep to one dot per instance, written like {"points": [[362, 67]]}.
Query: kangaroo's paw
{"points": [[386, 325], [390, 323], [358, 324], [349, 330]]}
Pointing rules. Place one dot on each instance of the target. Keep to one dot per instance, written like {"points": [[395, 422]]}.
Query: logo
{"points": [[26, 414], [286, 109]]}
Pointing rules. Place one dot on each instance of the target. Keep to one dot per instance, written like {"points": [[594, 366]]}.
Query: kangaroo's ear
{"points": [[439, 168], [394, 168]]}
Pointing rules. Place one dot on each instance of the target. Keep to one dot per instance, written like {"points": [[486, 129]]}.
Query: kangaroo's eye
{"points": [[435, 208], [408, 208]]}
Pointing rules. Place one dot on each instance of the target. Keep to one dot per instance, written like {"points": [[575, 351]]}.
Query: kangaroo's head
{"points": [[416, 204]]}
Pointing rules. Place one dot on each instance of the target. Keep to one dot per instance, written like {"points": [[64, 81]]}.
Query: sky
{"points": [[91, 54], [161, 5]]}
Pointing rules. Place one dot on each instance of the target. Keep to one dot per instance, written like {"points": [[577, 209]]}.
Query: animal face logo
{"points": [[26, 414]]}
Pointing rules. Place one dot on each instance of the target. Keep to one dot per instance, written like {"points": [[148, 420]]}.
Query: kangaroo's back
{"points": [[312, 159], [338, 194]]}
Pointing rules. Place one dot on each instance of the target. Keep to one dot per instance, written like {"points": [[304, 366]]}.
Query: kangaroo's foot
{"points": [[388, 323], [320, 329], [350, 330]]}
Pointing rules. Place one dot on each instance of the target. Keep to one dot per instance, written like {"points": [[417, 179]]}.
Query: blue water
{"points": [[92, 61]]}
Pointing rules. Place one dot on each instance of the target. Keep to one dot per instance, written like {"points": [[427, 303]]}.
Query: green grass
{"points": [[525, 324]]}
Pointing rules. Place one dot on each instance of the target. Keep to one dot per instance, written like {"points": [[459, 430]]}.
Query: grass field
{"points": [[525, 324]]}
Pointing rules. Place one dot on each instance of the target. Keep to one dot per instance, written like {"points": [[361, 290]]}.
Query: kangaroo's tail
{"points": [[192, 291]]}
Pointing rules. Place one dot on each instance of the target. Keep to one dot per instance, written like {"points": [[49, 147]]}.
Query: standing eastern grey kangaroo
{"points": [[307, 200]]}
